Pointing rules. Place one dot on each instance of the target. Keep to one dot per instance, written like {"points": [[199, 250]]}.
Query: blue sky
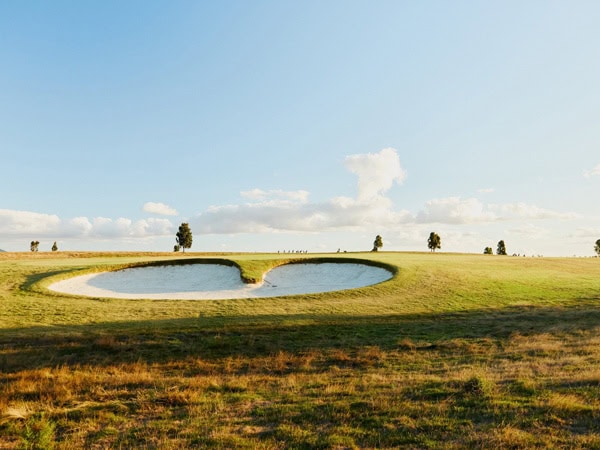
{"points": [[300, 125]]}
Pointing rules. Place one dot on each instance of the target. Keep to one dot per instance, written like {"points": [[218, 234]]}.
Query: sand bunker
{"points": [[215, 281]]}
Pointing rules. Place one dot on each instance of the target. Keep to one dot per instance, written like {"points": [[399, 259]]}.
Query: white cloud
{"points": [[278, 210], [78, 226], [594, 172], [159, 208], [103, 228], [338, 213], [28, 224], [454, 210], [268, 211], [529, 230], [152, 227], [276, 196], [586, 232], [376, 172], [510, 211], [13, 222]]}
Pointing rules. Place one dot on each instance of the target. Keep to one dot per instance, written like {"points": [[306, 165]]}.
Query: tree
{"points": [[501, 250], [488, 251], [377, 244], [434, 242], [176, 248], [597, 247], [54, 247], [34, 246], [184, 236]]}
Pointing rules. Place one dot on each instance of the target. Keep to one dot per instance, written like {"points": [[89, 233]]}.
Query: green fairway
{"points": [[455, 351]]}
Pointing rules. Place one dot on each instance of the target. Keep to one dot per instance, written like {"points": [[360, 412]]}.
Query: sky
{"points": [[286, 125]]}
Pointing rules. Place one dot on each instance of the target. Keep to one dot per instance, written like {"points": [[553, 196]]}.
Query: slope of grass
{"points": [[455, 351]]}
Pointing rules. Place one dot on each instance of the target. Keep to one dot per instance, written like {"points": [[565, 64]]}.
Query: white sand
{"points": [[213, 281]]}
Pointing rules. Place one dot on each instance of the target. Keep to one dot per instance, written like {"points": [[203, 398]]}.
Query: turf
{"points": [[455, 351]]}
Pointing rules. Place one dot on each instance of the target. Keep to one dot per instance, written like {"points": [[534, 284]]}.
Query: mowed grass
{"points": [[455, 351]]}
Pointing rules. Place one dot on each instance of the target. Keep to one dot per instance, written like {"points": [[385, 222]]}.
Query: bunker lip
{"points": [[219, 282]]}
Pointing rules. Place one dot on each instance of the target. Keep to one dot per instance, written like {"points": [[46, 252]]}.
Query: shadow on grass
{"points": [[217, 338]]}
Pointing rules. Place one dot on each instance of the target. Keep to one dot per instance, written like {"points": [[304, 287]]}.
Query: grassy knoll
{"points": [[455, 351]]}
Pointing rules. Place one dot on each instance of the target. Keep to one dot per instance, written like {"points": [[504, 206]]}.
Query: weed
{"points": [[38, 433], [478, 387]]}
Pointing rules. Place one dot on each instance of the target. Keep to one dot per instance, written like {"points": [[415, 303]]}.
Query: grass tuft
{"points": [[38, 433]]}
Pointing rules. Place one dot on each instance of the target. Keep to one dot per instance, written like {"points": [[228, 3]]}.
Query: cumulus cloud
{"points": [[529, 230], [103, 227], [454, 210], [376, 172], [521, 210], [276, 196], [13, 222], [278, 210], [586, 232], [78, 226], [159, 208], [593, 172], [338, 213], [37, 225]]}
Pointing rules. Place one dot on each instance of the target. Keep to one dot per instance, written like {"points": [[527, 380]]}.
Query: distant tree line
{"points": [[184, 239]]}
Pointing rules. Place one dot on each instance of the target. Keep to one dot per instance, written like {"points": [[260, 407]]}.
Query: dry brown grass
{"points": [[245, 401]]}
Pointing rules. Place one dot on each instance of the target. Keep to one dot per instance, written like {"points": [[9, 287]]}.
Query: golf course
{"points": [[452, 351]]}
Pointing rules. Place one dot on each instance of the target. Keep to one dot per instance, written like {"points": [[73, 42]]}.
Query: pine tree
{"points": [[184, 236]]}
